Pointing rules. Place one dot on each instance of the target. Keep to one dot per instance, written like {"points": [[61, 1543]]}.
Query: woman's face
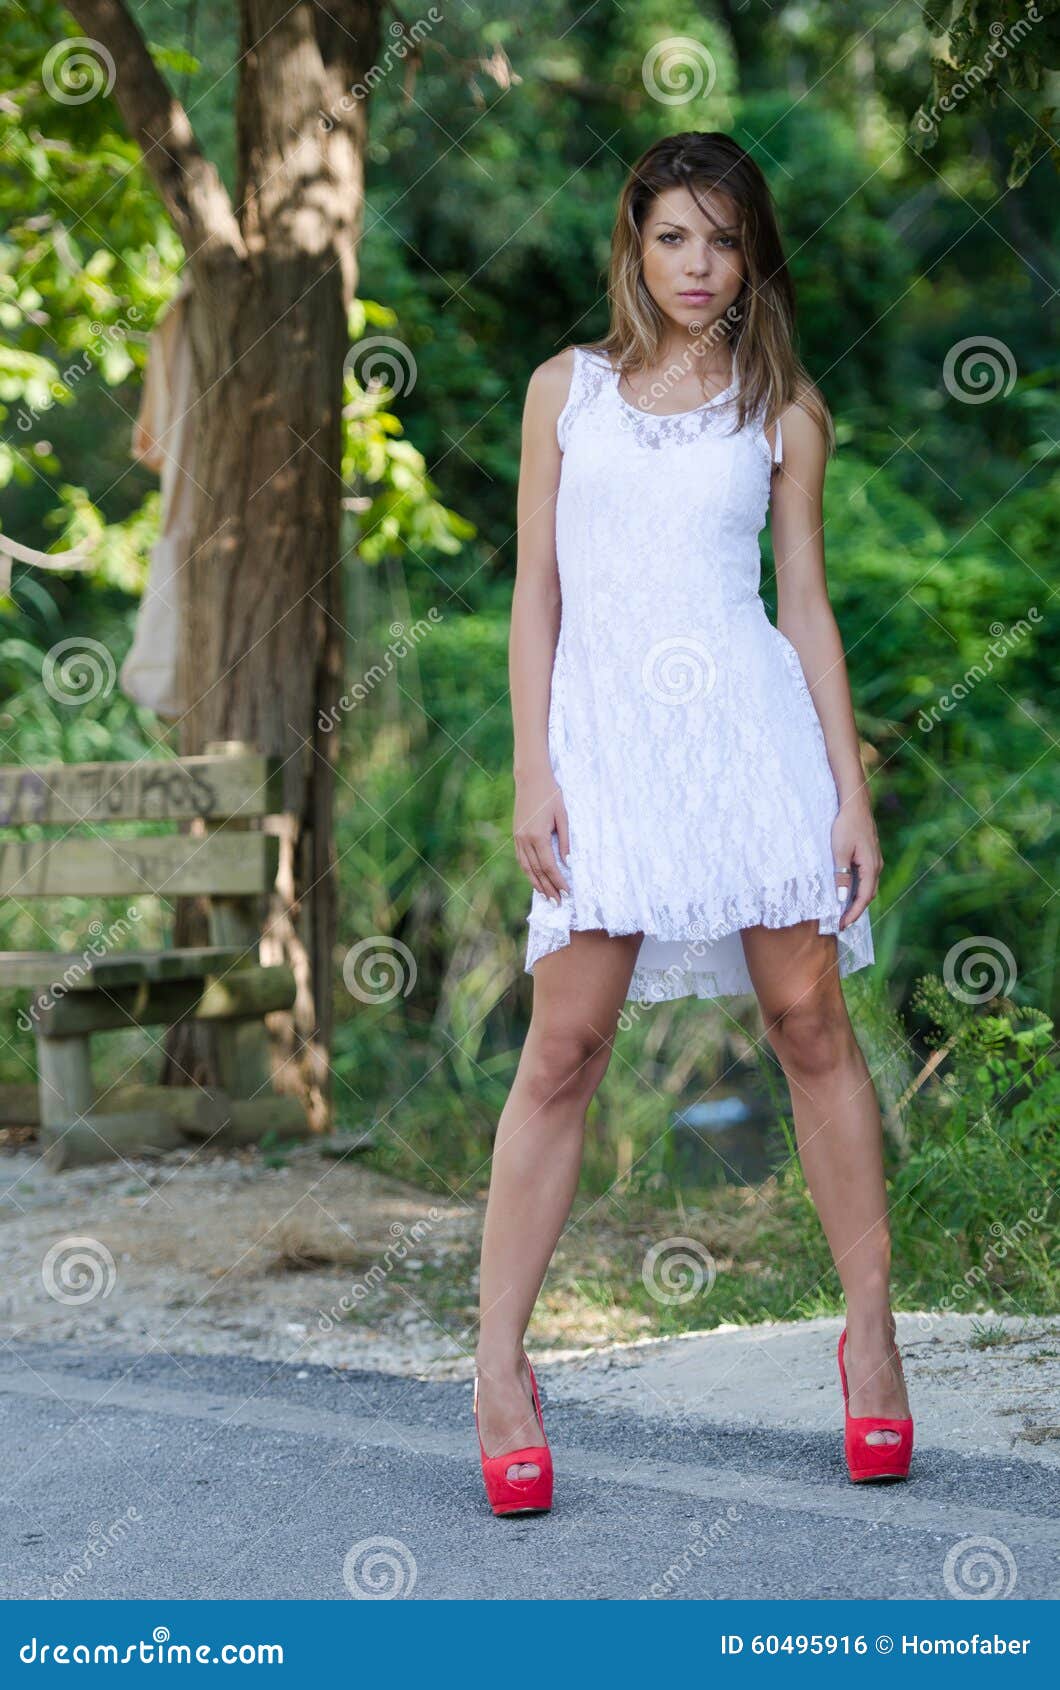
{"points": [[693, 268]]}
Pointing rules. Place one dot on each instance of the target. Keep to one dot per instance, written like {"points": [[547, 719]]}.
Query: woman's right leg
{"points": [[578, 995]]}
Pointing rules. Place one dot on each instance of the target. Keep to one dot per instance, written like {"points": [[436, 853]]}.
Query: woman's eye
{"points": [[671, 236]]}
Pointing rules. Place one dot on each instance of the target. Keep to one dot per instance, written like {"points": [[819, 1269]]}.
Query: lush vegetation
{"points": [[492, 180]]}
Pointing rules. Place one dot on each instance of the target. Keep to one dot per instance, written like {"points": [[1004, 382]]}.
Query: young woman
{"points": [[690, 803]]}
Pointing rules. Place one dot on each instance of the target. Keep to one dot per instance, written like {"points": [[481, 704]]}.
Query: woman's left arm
{"points": [[805, 617]]}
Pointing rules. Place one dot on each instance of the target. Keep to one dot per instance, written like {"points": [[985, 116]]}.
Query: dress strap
{"points": [[585, 382], [778, 445], [573, 396]]}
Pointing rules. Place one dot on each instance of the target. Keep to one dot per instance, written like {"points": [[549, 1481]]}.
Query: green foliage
{"points": [[974, 1200], [397, 512], [1004, 50], [954, 680], [87, 261]]}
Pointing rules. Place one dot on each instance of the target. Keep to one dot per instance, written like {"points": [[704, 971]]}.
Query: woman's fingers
{"points": [[543, 871], [524, 864], [844, 884], [846, 881], [553, 875], [541, 835], [862, 883], [528, 860]]}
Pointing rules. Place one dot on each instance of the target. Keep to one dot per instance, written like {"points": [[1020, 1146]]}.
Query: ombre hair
{"points": [[760, 324]]}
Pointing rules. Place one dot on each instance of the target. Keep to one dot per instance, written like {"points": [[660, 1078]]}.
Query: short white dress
{"points": [[681, 731]]}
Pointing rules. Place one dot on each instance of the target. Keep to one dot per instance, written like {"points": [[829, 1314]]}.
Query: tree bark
{"points": [[261, 595]]}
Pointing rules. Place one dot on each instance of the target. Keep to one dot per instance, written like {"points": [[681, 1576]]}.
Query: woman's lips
{"points": [[697, 293]]}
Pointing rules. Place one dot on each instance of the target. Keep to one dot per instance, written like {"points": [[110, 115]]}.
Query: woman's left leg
{"points": [[795, 975]]}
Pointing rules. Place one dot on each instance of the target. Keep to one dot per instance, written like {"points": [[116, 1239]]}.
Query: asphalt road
{"points": [[201, 1477]]}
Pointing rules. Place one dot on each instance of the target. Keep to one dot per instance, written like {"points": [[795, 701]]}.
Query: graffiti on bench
{"points": [[102, 792]]}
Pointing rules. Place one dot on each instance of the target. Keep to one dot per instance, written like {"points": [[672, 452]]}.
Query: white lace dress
{"points": [[681, 731]]}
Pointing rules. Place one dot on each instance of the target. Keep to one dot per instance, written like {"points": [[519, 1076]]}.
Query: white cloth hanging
{"points": [[162, 440], [12, 552]]}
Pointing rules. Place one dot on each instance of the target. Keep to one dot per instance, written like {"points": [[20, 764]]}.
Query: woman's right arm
{"points": [[536, 611]]}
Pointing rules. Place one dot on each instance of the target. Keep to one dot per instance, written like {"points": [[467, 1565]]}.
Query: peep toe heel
{"points": [[872, 1461], [518, 1496]]}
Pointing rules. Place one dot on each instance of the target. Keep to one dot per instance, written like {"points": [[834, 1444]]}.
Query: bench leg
{"points": [[64, 1084], [242, 1046], [242, 1057]]}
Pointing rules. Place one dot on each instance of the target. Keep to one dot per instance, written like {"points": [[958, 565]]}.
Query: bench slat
{"points": [[77, 973], [244, 994], [152, 789], [170, 865]]}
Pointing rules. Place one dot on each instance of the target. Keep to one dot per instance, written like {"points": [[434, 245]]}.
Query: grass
{"points": [[987, 1335]]}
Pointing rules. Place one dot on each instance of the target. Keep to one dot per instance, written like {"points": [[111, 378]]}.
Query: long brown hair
{"points": [[760, 324]]}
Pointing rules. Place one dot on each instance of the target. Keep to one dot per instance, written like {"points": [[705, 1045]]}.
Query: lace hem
{"points": [[708, 960]]}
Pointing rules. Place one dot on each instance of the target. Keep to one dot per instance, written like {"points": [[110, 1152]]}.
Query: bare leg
{"points": [[578, 995], [837, 1127]]}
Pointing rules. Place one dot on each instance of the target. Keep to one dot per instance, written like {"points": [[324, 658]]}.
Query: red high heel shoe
{"points": [[518, 1496], [873, 1461]]}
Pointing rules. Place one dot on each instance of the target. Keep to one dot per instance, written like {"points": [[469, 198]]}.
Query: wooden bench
{"points": [[231, 861]]}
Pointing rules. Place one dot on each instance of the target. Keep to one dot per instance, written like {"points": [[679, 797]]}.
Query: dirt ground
{"points": [[320, 1259]]}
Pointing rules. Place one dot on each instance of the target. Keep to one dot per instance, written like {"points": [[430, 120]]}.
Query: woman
{"points": [[690, 804]]}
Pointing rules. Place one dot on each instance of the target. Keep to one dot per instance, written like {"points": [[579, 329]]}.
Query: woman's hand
{"points": [[856, 847], [539, 808]]}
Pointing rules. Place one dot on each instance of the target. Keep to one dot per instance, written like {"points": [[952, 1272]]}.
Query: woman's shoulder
{"points": [[554, 371], [560, 380], [799, 432], [549, 387], [557, 371], [805, 416]]}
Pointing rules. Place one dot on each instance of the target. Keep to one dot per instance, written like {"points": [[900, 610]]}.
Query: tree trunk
{"points": [[261, 599], [261, 596]]}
